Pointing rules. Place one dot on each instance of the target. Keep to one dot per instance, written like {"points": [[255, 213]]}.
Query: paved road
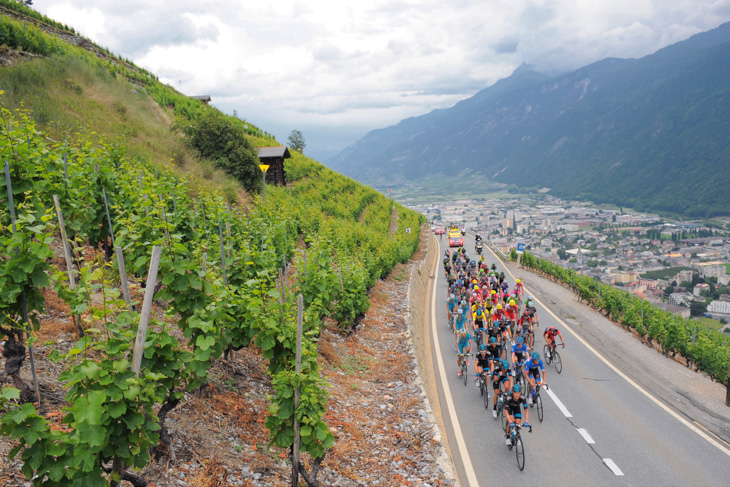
{"points": [[607, 432]]}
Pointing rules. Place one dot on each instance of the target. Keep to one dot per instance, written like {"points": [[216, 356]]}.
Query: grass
{"points": [[66, 96], [709, 322], [664, 273], [727, 266]]}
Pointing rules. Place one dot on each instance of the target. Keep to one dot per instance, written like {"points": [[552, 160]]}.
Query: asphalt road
{"points": [[607, 431]]}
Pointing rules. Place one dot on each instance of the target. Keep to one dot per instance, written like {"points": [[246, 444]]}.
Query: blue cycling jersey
{"points": [[535, 368], [519, 349], [464, 340]]}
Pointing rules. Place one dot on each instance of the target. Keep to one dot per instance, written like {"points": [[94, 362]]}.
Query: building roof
{"points": [[280, 151], [205, 98]]}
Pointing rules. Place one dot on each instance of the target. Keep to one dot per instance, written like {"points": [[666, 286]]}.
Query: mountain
{"points": [[649, 133]]}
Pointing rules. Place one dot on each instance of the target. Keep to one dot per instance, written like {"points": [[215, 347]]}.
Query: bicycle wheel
{"points": [[545, 354], [485, 394], [557, 362], [520, 452], [538, 406], [463, 369]]}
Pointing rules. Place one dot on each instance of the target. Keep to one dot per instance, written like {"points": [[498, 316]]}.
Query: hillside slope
{"points": [[223, 304], [648, 133]]}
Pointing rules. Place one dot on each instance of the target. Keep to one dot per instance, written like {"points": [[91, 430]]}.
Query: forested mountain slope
{"points": [[649, 133]]}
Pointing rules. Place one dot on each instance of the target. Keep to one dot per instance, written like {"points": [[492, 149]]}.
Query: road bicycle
{"points": [[553, 357], [519, 374], [537, 402], [464, 365], [519, 447], [484, 389]]}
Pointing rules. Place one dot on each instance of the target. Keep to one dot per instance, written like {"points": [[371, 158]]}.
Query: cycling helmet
{"points": [[462, 333], [482, 347], [505, 364], [452, 296], [479, 311], [461, 311], [499, 306], [529, 298], [476, 288], [512, 302], [493, 339], [517, 281], [463, 302], [516, 388], [520, 340], [535, 356], [492, 292]]}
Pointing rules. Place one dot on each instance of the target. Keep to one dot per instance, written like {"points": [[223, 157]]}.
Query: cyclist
{"points": [[481, 362], [513, 407], [519, 288], [459, 325], [519, 351], [479, 318], [532, 369], [451, 305], [494, 348], [464, 347], [550, 333], [500, 375], [510, 313], [493, 297]]}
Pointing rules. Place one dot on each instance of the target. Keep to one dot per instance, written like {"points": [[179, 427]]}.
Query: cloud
{"points": [[362, 65]]}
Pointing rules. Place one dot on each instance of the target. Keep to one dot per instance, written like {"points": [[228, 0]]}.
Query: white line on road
{"points": [[612, 465], [586, 436], [471, 476], [559, 403], [603, 359]]}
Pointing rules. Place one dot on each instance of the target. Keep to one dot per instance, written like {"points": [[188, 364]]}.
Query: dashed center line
{"points": [[612, 465], [586, 436], [559, 403]]}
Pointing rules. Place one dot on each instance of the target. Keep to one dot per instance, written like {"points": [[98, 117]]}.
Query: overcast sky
{"points": [[336, 69]]}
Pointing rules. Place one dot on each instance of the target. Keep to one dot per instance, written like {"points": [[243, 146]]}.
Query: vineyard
{"points": [[707, 349], [229, 278]]}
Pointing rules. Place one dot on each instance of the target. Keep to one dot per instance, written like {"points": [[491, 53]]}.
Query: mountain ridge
{"points": [[625, 131]]}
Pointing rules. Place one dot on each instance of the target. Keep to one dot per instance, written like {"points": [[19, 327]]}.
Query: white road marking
{"points": [[471, 476], [586, 436], [612, 465], [559, 403], [603, 359]]}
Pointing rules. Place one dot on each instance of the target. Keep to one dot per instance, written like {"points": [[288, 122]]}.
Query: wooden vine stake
{"points": [[123, 277], [298, 370], [223, 252], [69, 262], [22, 295], [144, 317]]}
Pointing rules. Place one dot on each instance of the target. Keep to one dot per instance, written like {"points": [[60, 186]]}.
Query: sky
{"points": [[337, 69]]}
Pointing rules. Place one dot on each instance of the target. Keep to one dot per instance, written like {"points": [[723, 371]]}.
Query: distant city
{"points": [[680, 266]]}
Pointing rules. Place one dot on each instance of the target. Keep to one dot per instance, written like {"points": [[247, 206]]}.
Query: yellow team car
{"points": [[456, 239]]}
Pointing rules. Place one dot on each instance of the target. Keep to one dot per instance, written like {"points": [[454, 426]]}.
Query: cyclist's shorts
{"points": [[495, 383], [462, 346], [452, 306], [535, 375], [459, 326]]}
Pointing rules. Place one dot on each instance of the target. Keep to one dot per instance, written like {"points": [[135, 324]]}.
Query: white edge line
{"points": [[463, 451], [656, 401], [559, 403], [612, 465], [586, 436]]}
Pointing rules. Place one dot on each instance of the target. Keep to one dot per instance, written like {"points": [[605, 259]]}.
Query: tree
{"points": [[669, 290], [697, 308], [562, 254], [296, 140], [221, 140]]}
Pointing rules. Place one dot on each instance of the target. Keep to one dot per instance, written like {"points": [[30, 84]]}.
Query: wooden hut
{"points": [[204, 98], [274, 157]]}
